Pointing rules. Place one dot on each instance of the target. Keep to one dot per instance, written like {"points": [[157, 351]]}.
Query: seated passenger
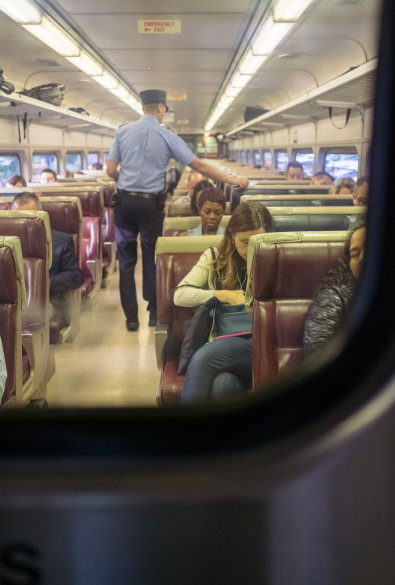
{"points": [[258, 167], [17, 181], [322, 178], [360, 195], [294, 171], [65, 273], [343, 187], [224, 366], [69, 175], [193, 180], [48, 176], [211, 206], [336, 291], [3, 371], [196, 194], [97, 166]]}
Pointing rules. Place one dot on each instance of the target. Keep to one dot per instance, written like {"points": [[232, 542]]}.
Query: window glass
{"points": [[267, 159], [281, 161], [74, 162], [257, 157], [341, 166], [41, 162], [9, 166], [307, 160], [243, 157], [105, 157], [249, 157], [93, 157]]}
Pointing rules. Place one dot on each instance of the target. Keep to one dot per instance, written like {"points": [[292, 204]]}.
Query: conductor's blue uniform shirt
{"points": [[144, 149]]}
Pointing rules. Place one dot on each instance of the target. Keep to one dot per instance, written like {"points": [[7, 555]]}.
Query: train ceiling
{"points": [[332, 37]]}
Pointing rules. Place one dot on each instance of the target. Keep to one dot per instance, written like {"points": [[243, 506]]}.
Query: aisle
{"points": [[107, 366]]}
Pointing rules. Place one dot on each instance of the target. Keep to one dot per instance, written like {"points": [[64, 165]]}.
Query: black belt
{"points": [[140, 194]]}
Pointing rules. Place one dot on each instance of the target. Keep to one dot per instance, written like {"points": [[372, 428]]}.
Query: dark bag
{"points": [[6, 86], [232, 320], [52, 93], [196, 333]]}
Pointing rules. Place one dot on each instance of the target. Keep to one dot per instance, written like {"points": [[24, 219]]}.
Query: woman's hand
{"points": [[241, 182], [232, 297]]}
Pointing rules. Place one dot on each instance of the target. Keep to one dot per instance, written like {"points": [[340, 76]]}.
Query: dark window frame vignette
{"points": [[314, 401]]}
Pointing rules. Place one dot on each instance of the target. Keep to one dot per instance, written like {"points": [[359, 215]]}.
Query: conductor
{"points": [[144, 150]]}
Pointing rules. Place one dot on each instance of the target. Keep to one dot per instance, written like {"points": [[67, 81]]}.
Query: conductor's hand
{"points": [[241, 182], [232, 297]]}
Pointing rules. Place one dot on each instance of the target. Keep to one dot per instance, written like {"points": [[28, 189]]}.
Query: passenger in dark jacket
{"points": [[336, 291]]}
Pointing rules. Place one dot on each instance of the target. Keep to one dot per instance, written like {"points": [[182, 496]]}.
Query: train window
{"points": [[74, 161], [243, 157], [43, 161], [267, 159], [342, 165], [257, 157], [93, 157], [306, 158], [281, 160], [9, 165], [105, 157]]}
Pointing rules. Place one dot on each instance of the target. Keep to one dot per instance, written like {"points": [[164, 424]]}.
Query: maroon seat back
{"points": [[64, 217], [108, 193], [9, 318], [32, 234], [5, 204], [286, 276], [170, 270]]}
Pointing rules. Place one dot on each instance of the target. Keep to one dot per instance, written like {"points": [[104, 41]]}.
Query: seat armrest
{"points": [[96, 269], [35, 340], [161, 335], [73, 299]]}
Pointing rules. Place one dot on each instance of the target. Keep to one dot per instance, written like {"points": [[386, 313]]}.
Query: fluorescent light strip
{"points": [[270, 35], [290, 10], [21, 11], [251, 63], [232, 91], [54, 37], [239, 80], [86, 63], [121, 92], [106, 80]]}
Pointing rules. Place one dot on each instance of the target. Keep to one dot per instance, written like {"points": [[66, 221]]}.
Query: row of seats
{"points": [[286, 219], [24, 286], [284, 273]]}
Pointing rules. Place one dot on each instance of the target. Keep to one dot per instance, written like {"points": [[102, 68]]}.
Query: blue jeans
{"points": [[220, 368]]}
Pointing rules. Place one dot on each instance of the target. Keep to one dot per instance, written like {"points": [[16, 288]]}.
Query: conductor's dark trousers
{"points": [[132, 215]]}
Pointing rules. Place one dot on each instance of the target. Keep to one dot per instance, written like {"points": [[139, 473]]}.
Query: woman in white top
{"points": [[3, 371], [225, 366]]}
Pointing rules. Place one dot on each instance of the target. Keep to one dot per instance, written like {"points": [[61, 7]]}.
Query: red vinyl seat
{"points": [[33, 230], [91, 243], [12, 303], [285, 278], [65, 214]]}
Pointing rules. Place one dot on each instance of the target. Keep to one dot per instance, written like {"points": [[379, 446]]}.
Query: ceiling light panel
{"points": [[240, 81], [232, 91], [106, 80], [121, 92], [270, 35], [251, 63], [86, 64], [290, 10], [54, 37], [21, 11]]}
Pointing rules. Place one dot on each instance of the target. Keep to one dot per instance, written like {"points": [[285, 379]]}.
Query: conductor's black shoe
{"points": [[153, 319], [132, 324]]}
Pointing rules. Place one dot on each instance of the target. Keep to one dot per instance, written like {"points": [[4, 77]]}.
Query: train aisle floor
{"points": [[107, 366]]}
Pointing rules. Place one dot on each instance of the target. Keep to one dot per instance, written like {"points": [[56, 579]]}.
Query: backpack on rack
{"points": [[5, 86], [52, 93]]}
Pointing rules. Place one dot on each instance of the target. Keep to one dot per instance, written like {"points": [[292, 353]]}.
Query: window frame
{"points": [[46, 153], [16, 155]]}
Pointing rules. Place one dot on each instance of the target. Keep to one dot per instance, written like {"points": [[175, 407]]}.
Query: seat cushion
{"points": [[171, 384]]}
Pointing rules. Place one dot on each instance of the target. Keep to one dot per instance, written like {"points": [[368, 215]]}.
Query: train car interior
{"points": [[223, 345]]}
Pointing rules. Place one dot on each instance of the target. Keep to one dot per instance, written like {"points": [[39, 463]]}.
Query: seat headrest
{"points": [[65, 213], [186, 244], [280, 247], [92, 201], [32, 228], [10, 291]]}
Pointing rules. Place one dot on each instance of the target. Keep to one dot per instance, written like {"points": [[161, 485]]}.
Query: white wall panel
{"points": [[75, 139], [280, 137], [107, 141], [305, 134], [45, 136], [326, 131], [368, 129], [9, 133], [94, 140]]}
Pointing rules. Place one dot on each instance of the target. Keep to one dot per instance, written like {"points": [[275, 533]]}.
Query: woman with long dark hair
{"points": [[224, 366], [336, 290]]}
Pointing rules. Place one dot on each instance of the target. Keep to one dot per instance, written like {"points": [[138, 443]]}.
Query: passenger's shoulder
{"points": [[61, 238]]}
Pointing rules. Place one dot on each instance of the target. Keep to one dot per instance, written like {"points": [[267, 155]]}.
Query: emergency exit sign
{"points": [[159, 26]]}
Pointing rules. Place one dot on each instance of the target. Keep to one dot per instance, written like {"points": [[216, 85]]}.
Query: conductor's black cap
{"points": [[153, 96]]}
